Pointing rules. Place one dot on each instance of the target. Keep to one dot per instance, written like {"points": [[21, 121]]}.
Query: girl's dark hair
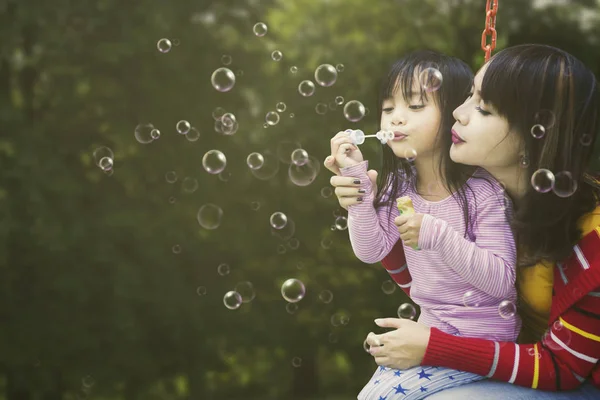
{"points": [[533, 85], [397, 173]]}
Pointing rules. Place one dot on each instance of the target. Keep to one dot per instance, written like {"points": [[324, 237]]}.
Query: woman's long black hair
{"points": [[535, 84], [397, 173]]}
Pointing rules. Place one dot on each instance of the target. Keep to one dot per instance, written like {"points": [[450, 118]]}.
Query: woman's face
{"points": [[481, 137]]}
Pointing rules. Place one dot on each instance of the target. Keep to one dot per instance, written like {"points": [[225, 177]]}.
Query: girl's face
{"points": [[481, 137], [415, 123]]}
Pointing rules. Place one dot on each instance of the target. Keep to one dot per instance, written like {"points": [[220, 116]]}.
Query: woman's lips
{"points": [[455, 138]]}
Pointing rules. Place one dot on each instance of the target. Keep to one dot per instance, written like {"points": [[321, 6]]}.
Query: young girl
{"points": [[459, 247], [557, 225]]}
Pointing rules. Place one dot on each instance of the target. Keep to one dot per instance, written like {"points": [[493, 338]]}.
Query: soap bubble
{"points": [[226, 59], [260, 29], [232, 300], [255, 205], [543, 180], [164, 45], [326, 192], [189, 184], [246, 290], [281, 249], [586, 139], [105, 164], [546, 118], [430, 79], [193, 135], [306, 88], [176, 249], [293, 243], [255, 160], [269, 168], [507, 309], [538, 131], [143, 133], [410, 154], [223, 269], [223, 79], [293, 69], [407, 311], [299, 157], [339, 100], [214, 162], [280, 107], [183, 127], [321, 108], [304, 175], [293, 290], [354, 111], [201, 290], [340, 67], [218, 113], [326, 296], [291, 308], [296, 362], [277, 55], [325, 75], [209, 216], [102, 152], [470, 299], [340, 318], [341, 223], [564, 184], [278, 220], [228, 120], [388, 287], [292, 115], [171, 177], [286, 232], [272, 118]]}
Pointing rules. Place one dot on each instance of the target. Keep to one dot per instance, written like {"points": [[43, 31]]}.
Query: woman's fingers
{"points": [[345, 191], [344, 181]]}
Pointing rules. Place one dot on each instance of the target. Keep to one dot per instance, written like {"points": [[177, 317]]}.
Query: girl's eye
{"points": [[388, 109], [483, 112], [417, 107]]}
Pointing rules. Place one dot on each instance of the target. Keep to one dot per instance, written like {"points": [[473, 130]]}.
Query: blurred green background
{"points": [[109, 287]]}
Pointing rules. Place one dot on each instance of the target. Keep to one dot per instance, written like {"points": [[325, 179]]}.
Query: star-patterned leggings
{"points": [[414, 383]]}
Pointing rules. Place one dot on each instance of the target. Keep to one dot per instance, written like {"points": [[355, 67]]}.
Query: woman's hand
{"points": [[402, 348]]}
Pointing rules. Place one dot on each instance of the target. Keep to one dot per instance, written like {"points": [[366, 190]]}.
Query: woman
{"points": [[531, 122]]}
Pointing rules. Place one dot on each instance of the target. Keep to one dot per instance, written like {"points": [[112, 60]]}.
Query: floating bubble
{"points": [[321, 108], [564, 184], [171, 177], [176, 42], [278, 220], [293, 69], [293, 290], [354, 111], [304, 175], [226, 59], [232, 300], [218, 113], [106, 164], [339, 100], [224, 176], [102, 152], [218, 126], [223, 269], [326, 75], [410, 154], [285, 148], [255, 206], [507, 309], [214, 162], [430, 79], [538, 131], [340, 67], [280, 107], [201, 291], [470, 299], [230, 130], [155, 134], [340, 318], [209, 216], [281, 249], [228, 119], [543, 180], [189, 184], [407, 311], [286, 232], [183, 127], [269, 168], [546, 118], [291, 308], [332, 105], [293, 243], [272, 118], [239, 72], [586, 139], [143, 133], [255, 160], [326, 296], [223, 79], [326, 243], [326, 192], [265, 125], [523, 161], [292, 115], [260, 29], [332, 227], [306, 88], [388, 287], [172, 200], [246, 290], [299, 157], [296, 362], [164, 45], [193, 135], [341, 223], [277, 55], [88, 381], [176, 249]]}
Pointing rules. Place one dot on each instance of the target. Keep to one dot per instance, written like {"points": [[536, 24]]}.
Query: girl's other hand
{"points": [[344, 151]]}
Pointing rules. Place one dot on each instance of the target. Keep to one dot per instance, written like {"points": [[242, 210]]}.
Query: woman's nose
{"points": [[460, 115]]}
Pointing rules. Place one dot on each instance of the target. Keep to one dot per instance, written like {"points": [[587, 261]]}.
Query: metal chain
{"points": [[490, 28]]}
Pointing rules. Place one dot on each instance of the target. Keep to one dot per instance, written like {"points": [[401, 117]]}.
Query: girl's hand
{"points": [[409, 228], [402, 348], [344, 151]]}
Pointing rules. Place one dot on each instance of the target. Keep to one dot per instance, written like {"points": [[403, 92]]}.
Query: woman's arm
{"points": [[560, 361], [395, 265]]}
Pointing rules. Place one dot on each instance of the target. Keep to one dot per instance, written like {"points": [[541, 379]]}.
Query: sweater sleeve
{"points": [[395, 264], [372, 232], [489, 263], [562, 360]]}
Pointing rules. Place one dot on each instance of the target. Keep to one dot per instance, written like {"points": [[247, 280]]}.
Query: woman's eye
{"points": [[388, 109], [417, 107], [482, 111]]}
